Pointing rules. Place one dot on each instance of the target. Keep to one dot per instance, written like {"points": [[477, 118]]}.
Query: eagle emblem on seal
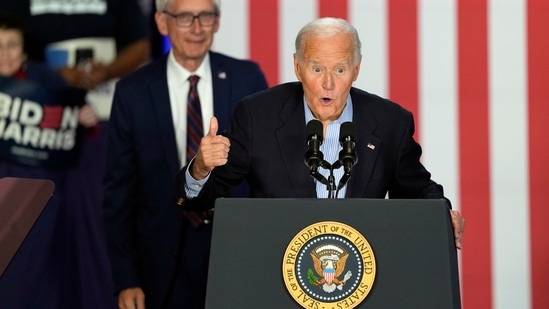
{"points": [[329, 265]]}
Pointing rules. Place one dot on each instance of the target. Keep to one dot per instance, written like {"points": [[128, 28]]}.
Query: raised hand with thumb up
{"points": [[213, 151]]}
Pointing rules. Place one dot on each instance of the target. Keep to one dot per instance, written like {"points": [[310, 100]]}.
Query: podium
{"points": [[22, 201], [406, 254]]}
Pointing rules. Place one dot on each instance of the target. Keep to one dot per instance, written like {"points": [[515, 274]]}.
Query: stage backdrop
{"points": [[474, 73]]}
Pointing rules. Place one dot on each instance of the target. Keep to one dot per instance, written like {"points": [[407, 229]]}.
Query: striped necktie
{"points": [[195, 131], [195, 128]]}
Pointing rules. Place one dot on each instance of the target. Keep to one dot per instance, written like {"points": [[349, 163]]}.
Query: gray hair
{"points": [[161, 5], [327, 27]]}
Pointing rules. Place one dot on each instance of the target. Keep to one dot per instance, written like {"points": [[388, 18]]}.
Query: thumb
{"points": [[213, 126]]}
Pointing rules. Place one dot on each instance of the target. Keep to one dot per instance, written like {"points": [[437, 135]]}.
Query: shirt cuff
{"points": [[193, 186]]}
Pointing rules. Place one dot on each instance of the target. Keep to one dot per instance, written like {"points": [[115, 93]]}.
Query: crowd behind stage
{"points": [[45, 54], [131, 137]]}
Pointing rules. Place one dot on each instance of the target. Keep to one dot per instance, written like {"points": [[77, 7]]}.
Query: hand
{"points": [[89, 78], [87, 117], [132, 298], [97, 75], [73, 76], [459, 226], [213, 151]]}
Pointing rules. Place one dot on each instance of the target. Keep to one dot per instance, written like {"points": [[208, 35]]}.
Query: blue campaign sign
{"points": [[38, 125]]}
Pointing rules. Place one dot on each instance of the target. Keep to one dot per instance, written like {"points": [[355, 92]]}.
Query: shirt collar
{"points": [[182, 75], [346, 115]]}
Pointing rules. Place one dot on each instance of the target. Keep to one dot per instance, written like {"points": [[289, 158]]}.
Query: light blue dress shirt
{"points": [[330, 148]]}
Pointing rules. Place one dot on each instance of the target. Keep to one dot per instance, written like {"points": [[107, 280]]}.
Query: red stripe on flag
{"points": [[331, 8], [538, 127], [264, 37], [403, 55], [473, 98]]}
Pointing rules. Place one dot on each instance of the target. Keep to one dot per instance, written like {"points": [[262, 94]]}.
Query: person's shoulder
{"points": [[154, 70], [375, 102], [278, 92], [361, 94], [217, 58], [276, 96], [37, 66], [46, 75]]}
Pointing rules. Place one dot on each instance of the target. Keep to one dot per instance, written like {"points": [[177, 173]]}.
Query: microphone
{"points": [[347, 155], [313, 156]]}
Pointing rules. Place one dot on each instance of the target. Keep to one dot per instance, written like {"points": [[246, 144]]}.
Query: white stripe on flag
{"points": [[509, 154], [437, 94], [370, 20], [233, 35], [293, 16]]}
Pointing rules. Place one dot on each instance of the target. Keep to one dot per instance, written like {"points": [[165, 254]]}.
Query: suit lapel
{"points": [[221, 81], [163, 113], [291, 139], [367, 146], [162, 109]]}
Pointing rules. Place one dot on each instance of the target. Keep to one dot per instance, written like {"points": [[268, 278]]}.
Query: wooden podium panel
{"points": [[22, 201], [412, 241]]}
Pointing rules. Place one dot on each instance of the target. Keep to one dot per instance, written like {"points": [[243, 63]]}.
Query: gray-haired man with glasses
{"points": [[159, 257]]}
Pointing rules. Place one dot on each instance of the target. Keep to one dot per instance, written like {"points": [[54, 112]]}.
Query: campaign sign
{"points": [[38, 126]]}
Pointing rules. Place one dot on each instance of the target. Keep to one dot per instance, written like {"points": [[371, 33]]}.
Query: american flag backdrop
{"points": [[475, 73]]}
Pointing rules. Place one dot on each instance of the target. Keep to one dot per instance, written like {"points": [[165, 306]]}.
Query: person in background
{"points": [[268, 129], [14, 64], [55, 21], [33, 278], [159, 256], [103, 40], [59, 20], [13, 58], [87, 26]]}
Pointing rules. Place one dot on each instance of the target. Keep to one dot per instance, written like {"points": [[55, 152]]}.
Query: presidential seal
{"points": [[329, 265]]}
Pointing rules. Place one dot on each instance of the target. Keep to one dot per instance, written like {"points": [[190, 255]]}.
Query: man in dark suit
{"points": [[266, 141], [158, 256]]}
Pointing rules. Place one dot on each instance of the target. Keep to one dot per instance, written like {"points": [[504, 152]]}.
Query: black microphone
{"points": [[313, 156], [347, 155]]}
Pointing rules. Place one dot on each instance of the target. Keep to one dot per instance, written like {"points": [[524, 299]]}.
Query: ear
{"points": [[161, 22], [357, 68], [297, 67]]}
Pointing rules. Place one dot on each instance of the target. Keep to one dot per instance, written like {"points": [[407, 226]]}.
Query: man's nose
{"points": [[328, 81]]}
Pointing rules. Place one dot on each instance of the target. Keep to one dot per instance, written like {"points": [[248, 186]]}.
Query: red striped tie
{"points": [[195, 131], [195, 128]]}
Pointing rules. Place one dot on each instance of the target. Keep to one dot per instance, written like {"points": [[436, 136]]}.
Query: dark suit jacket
{"points": [[268, 145], [143, 223]]}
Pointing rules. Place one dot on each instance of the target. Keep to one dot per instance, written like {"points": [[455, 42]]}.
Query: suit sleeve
{"points": [[412, 180], [120, 204], [223, 179]]}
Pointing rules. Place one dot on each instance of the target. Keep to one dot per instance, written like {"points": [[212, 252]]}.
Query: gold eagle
{"points": [[337, 264]]}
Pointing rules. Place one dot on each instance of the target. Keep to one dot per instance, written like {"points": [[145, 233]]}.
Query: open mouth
{"points": [[326, 100]]}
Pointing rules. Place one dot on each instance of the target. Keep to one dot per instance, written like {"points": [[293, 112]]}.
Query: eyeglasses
{"points": [[185, 20]]}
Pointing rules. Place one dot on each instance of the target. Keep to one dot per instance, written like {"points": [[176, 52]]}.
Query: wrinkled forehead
{"points": [[335, 50]]}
